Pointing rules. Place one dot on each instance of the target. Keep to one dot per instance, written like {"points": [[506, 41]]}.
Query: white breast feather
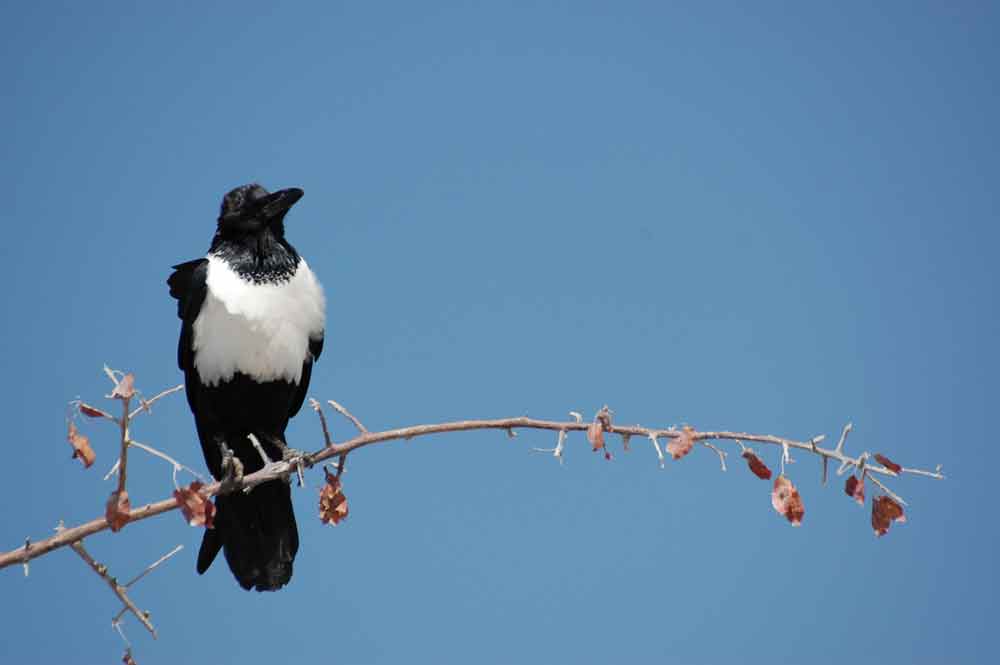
{"points": [[262, 330]]}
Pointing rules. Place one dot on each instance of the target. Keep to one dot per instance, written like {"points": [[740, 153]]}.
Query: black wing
{"points": [[187, 285], [315, 348]]}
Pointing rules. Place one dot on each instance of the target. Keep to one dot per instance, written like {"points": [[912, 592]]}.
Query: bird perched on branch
{"points": [[252, 317]]}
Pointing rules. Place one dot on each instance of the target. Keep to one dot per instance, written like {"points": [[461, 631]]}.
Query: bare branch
{"points": [[118, 589], [282, 469], [123, 455]]}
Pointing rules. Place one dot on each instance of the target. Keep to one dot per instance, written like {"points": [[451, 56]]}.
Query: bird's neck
{"points": [[259, 257]]}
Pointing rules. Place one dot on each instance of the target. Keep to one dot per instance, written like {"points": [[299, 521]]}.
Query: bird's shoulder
{"points": [[188, 285]]}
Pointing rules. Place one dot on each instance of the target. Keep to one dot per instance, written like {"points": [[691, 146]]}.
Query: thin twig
{"points": [[318, 408], [885, 489], [843, 437], [659, 450], [151, 567], [123, 456], [722, 453], [167, 458], [347, 414], [117, 588], [146, 403]]}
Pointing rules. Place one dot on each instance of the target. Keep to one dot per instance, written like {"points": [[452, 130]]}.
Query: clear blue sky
{"points": [[777, 219]]}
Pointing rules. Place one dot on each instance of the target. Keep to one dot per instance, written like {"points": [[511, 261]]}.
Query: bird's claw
{"points": [[294, 456], [232, 472]]}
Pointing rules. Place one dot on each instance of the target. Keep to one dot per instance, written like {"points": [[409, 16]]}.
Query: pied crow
{"points": [[252, 316]]}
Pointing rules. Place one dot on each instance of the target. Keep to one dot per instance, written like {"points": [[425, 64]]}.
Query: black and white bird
{"points": [[252, 317]]}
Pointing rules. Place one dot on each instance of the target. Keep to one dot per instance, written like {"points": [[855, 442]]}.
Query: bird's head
{"points": [[251, 209]]}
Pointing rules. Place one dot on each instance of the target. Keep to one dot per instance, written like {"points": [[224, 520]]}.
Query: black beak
{"points": [[277, 204]]}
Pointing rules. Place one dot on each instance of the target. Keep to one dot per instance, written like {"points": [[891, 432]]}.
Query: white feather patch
{"points": [[261, 330]]}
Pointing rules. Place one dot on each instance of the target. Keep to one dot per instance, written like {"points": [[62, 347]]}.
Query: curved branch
{"points": [[283, 469]]}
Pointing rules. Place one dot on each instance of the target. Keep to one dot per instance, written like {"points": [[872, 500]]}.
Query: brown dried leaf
{"points": [[332, 502], [93, 412], [885, 511], [125, 388], [198, 509], [682, 444], [786, 500], [756, 465], [118, 510], [888, 463], [81, 446], [856, 489], [595, 434]]}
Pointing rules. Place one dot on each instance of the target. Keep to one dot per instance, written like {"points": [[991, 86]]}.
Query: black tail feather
{"points": [[257, 534]]}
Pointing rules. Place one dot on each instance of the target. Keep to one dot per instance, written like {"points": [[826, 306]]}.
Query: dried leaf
{"points": [[332, 502], [856, 489], [118, 510], [756, 465], [888, 463], [885, 511], [595, 434], [198, 509], [786, 500], [81, 446], [93, 412], [125, 388], [681, 444]]}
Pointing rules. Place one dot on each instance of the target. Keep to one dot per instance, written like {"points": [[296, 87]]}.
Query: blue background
{"points": [[776, 219]]}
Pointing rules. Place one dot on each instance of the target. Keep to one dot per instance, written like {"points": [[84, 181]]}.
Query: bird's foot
{"points": [[232, 472], [289, 455], [294, 455]]}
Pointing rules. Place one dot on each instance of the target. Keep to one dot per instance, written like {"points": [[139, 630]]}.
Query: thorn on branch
{"points": [[885, 489], [557, 452], [659, 450], [259, 448], [843, 437], [721, 453]]}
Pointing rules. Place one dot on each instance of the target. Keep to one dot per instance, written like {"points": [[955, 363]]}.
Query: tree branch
{"points": [[118, 589], [283, 469]]}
